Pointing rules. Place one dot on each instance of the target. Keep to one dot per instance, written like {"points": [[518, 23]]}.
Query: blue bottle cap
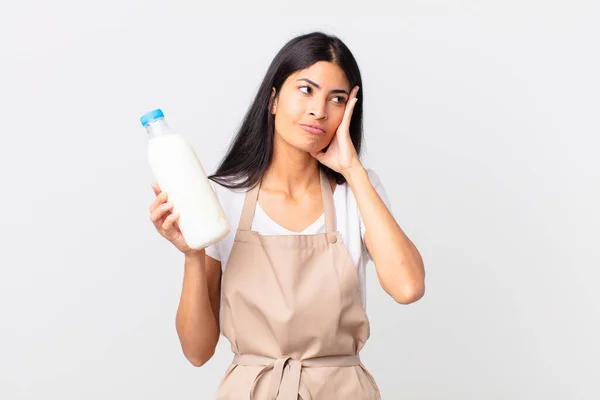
{"points": [[151, 116]]}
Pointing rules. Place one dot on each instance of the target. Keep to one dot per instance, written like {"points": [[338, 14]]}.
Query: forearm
{"points": [[196, 325], [398, 262]]}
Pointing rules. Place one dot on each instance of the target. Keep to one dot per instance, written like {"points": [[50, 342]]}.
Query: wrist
{"points": [[354, 173], [195, 254]]}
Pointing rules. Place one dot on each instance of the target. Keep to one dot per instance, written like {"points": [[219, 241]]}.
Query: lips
{"points": [[312, 129]]}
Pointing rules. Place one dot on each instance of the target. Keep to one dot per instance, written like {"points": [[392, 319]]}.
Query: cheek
{"points": [[289, 114], [335, 120], [330, 135], [294, 111]]}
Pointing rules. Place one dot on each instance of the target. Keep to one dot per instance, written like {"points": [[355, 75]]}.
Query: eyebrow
{"points": [[319, 87]]}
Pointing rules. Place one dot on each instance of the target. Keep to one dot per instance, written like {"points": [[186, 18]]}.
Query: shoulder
{"points": [[230, 199], [347, 195], [232, 202], [373, 178], [375, 181], [221, 189]]}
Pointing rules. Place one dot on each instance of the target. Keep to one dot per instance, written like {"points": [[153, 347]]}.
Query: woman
{"points": [[287, 286]]}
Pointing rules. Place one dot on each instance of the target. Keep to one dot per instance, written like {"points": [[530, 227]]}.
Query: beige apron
{"points": [[292, 312]]}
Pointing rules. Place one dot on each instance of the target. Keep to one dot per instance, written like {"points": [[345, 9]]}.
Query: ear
{"points": [[273, 102]]}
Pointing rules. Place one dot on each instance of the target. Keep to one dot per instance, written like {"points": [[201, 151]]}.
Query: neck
{"points": [[291, 171]]}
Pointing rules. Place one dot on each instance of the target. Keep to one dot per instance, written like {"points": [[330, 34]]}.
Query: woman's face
{"points": [[313, 97]]}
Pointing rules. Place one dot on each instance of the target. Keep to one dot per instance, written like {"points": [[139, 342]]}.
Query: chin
{"points": [[306, 142], [311, 146]]}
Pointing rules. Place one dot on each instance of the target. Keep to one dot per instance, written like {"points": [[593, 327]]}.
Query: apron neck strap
{"points": [[328, 206]]}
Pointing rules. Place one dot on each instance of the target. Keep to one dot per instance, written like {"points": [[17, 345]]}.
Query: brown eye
{"points": [[308, 89], [341, 99]]}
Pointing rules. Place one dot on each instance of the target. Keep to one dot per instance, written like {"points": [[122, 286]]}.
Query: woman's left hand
{"points": [[341, 155]]}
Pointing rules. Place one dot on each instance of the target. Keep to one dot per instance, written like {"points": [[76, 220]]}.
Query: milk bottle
{"points": [[179, 173]]}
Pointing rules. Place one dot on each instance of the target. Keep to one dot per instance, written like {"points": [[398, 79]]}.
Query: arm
{"points": [[397, 261], [197, 320]]}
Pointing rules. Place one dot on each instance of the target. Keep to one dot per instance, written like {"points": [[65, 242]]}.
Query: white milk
{"points": [[179, 173]]}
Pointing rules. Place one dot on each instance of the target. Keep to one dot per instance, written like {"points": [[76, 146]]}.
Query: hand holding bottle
{"points": [[177, 169], [165, 221]]}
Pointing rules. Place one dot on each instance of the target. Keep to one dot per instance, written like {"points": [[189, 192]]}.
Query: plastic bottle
{"points": [[179, 173]]}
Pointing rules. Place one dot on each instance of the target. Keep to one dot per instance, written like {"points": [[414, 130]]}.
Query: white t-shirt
{"points": [[349, 224]]}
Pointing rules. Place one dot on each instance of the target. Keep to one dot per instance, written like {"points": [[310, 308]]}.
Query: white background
{"points": [[481, 118]]}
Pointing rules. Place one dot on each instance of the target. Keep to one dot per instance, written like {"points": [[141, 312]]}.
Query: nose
{"points": [[318, 109]]}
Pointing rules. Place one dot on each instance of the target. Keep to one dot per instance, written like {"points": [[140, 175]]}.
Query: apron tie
{"points": [[285, 378]]}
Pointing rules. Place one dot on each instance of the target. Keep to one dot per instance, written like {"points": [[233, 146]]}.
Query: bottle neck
{"points": [[158, 128]]}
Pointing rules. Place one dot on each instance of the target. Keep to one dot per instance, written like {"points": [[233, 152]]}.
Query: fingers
{"points": [[160, 199], [156, 188], [170, 221], [352, 102], [318, 155], [160, 211], [350, 108]]}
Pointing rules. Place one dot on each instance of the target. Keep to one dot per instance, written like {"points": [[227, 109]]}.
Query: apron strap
{"points": [[285, 382], [248, 209], [328, 206]]}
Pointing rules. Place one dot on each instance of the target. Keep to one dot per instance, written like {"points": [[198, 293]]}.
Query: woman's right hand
{"points": [[165, 221]]}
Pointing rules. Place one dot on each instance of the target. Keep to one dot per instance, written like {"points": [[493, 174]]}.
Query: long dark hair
{"points": [[251, 150]]}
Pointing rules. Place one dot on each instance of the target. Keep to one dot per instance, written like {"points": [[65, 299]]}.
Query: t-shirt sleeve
{"points": [[378, 186], [213, 250]]}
